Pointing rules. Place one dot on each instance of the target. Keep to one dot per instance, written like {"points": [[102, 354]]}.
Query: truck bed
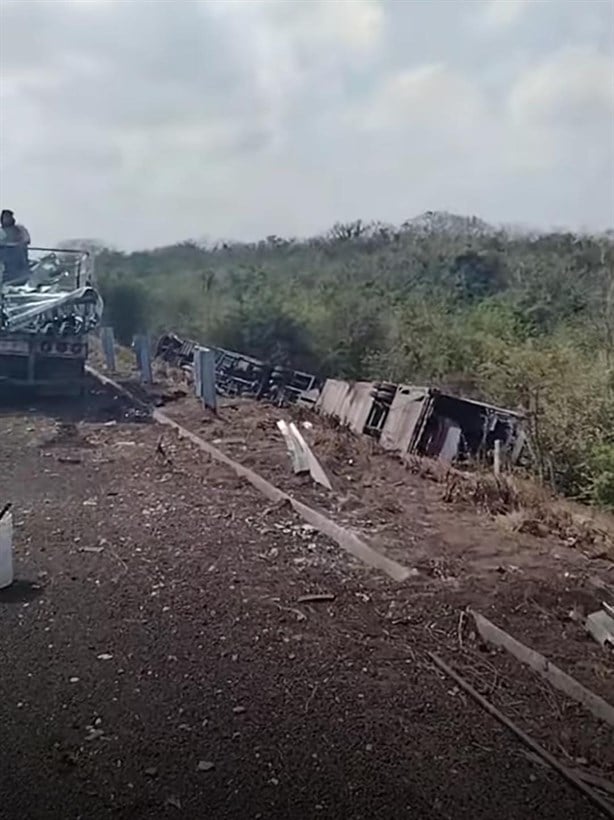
{"points": [[49, 364]]}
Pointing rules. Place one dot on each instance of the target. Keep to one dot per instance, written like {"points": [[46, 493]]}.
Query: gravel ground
{"points": [[159, 661]]}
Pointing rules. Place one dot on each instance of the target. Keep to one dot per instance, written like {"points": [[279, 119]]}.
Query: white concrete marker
{"points": [[6, 549]]}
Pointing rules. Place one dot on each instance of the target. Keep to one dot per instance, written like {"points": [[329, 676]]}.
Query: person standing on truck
{"points": [[14, 241]]}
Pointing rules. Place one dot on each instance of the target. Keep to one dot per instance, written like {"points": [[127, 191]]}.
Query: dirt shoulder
{"points": [[527, 584], [161, 662]]}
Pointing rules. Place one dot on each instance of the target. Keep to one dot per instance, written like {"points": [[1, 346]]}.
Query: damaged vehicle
{"points": [[45, 322], [425, 421]]}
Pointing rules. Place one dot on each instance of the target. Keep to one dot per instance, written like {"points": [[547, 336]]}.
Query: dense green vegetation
{"points": [[524, 321]]}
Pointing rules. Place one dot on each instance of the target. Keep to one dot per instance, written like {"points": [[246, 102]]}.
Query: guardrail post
{"points": [[497, 458], [204, 377], [107, 338], [143, 358]]}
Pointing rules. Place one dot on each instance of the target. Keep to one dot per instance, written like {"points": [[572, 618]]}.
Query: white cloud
{"points": [[501, 14], [146, 122], [571, 85], [562, 111], [431, 94]]}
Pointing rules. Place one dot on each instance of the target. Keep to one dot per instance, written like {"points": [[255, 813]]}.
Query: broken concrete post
{"points": [[6, 547], [315, 468], [497, 458], [300, 462], [143, 358], [600, 625], [107, 339], [204, 377]]}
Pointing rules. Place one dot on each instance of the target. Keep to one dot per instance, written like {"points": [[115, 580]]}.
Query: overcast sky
{"points": [[142, 122]]}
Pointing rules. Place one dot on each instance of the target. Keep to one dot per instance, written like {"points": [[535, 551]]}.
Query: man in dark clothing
{"points": [[14, 241]]}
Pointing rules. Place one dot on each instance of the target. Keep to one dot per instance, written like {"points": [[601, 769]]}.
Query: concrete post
{"points": [[107, 338], [204, 377], [497, 458], [143, 358]]}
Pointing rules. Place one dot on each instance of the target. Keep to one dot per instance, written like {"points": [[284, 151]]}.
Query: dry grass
{"points": [[521, 506]]}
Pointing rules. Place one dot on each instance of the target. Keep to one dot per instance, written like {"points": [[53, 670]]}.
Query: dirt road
{"points": [[158, 661]]}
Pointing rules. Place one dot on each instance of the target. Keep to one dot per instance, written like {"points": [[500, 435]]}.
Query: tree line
{"points": [[526, 321]]}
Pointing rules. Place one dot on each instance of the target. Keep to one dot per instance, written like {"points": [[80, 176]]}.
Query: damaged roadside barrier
{"points": [[142, 352], [6, 547], [107, 339], [204, 377]]}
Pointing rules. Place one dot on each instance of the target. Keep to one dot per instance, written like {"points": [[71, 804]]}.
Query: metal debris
{"points": [[173, 802], [423, 420], [53, 300], [298, 456], [315, 468], [239, 375], [600, 625], [303, 459], [319, 597]]}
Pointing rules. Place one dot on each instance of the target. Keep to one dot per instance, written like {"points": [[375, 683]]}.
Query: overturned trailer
{"points": [[237, 374], [410, 419]]}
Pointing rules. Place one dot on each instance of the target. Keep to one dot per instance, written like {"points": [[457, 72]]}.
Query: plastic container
{"points": [[6, 550]]}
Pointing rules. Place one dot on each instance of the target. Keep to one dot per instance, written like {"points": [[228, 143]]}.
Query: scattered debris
{"points": [[151, 771], [239, 375], [298, 456], [319, 597], [105, 656], [205, 766], [303, 459], [346, 539], [173, 802], [94, 550], [239, 710], [600, 625], [315, 468]]}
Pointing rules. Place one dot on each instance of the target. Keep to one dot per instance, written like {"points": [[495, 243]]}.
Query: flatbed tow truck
{"points": [[45, 324]]}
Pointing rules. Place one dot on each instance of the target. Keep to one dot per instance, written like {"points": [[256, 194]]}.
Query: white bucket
{"points": [[6, 550]]}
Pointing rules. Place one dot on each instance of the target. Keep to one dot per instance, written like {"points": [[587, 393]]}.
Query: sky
{"points": [[145, 122]]}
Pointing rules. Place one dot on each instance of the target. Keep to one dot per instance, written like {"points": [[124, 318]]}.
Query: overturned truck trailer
{"points": [[45, 323], [409, 419], [240, 375]]}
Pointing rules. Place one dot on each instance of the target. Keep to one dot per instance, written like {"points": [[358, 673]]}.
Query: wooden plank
{"points": [[544, 754], [599, 707]]}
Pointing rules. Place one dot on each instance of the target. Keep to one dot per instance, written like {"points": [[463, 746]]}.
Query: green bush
{"points": [[601, 474], [522, 321], [126, 304]]}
